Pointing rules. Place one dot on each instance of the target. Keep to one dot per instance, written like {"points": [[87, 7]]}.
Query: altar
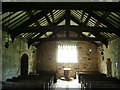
{"points": [[67, 73]]}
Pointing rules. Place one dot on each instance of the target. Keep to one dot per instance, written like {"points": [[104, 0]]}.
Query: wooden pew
{"points": [[48, 73], [23, 86], [93, 83], [45, 79], [97, 76], [96, 80], [104, 86]]}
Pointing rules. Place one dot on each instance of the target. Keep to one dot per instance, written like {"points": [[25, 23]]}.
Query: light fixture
{"points": [[116, 65], [102, 51], [33, 49], [90, 50], [7, 40], [7, 36]]}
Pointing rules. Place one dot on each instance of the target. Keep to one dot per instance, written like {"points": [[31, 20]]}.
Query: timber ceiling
{"points": [[39, 22]]}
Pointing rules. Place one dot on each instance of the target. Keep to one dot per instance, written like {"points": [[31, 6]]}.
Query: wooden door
{"points": [[109, 67], [24, 64]]}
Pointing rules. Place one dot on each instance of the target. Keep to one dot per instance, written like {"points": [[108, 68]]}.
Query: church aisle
{"points": [[67, 85]]}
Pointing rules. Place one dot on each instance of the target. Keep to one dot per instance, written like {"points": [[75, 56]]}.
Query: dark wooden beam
{"points": [[9, 16], [67, 22], [102, 20], [60, 20], [81, 28], [101, 38], [53, 19], [31, 41], [76, 20], [87, 19], [53, 23], [67, 16], [96, 44], [37, 28], [44, 32], [30, 14], [66, 38], [98, 35], [4, 28], [48, 20], [91, 6], [105, 14], [80, 34], [53, 35], [33, 19], [10, 23], [83, 13]]}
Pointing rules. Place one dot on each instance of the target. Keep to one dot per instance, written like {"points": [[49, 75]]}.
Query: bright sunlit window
{"points": [[67, 54]]}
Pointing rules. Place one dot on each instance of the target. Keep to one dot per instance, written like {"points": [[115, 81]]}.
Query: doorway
{"points": [[109, 67], [24, 64]]}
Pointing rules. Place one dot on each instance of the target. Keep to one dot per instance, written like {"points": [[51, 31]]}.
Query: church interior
{"points": [[65, 45]]}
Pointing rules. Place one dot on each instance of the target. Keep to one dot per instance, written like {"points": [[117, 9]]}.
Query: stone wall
{"points": [[47, 57], [0, 55], [112, 53], [11, 57]]}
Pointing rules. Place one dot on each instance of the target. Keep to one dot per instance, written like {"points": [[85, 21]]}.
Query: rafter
{"points": [[16, 31], [103, 40], [13, 23], [5, 28], [52, 16], [55, 23], [94, 6], [54, 34], [102, 20], [67, 23], [30, 14], [99, 36], [81, 28], [52, 23], [87, 19], [80, 34], [83, 13], [31, 41], [9, 16], [76, 20], [48, 20], [66, 38]]}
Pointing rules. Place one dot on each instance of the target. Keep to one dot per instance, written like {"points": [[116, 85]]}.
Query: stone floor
{"points": [[67, 85]]}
